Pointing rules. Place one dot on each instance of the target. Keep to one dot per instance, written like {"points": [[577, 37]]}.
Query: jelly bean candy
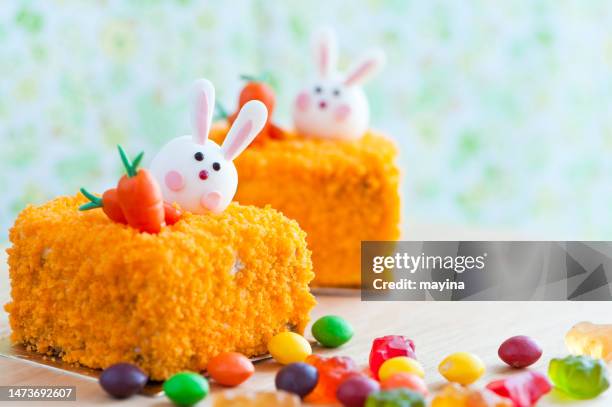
{"points": [[388, 347], [395, 398], [332, 331], [354, 391], [123, 380], [230, 368], [524, 389], [591, 340], [580, 377], [289, 347], [455, 395], [462, 367], [399, 364], [256, 399], [298, 378], [186, 388], [519, 351], [408, 381], [332, 372]]}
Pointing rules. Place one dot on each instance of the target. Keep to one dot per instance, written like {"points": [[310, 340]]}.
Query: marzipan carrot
{"points": [[140, 196], [172, 214], [257, 89], [109, 204]]}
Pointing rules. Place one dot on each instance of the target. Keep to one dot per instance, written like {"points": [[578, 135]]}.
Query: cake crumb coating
{"points": [[96, 292], [340, 192]]}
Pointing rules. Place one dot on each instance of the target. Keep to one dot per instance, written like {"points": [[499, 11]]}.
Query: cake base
{"points": [[94, 292]]}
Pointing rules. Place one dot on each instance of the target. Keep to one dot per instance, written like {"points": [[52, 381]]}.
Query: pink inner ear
{"points": [[201, 118], [174, 180], [238, 142], [359, 73], [323, 58]]}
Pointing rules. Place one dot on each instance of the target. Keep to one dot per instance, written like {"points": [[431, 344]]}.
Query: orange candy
{"points": [[230, 368], [332, 372], [408, 381]]}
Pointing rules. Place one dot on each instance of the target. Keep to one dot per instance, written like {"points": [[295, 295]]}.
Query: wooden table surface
{"points": [[438, 328]]}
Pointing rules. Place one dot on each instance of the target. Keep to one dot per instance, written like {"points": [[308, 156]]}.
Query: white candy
{"points": [[334, 106], [194, 171]]}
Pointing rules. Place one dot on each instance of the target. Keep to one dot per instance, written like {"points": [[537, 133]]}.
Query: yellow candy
{"points": [[591, 340], [462, 367], [400, 364], [289, 347]]}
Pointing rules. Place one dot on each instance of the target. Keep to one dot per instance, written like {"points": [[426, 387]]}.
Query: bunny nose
{"points": [[203, 175], [322, 104]]}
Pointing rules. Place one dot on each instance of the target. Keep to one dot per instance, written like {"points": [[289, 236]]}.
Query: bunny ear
{"points": [[251, 119], [325, 51], [203, 109], [366, 68]]}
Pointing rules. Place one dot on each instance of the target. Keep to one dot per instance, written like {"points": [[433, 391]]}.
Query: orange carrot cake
{"points": [[97, 292]]}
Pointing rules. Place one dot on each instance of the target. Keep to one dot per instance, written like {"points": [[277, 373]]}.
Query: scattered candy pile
{"points": [[394, 377]]}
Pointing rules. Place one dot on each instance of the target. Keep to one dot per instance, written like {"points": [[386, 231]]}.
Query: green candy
{"points": [[186, 388], [395, 398], [332, 331], [580, 377]]}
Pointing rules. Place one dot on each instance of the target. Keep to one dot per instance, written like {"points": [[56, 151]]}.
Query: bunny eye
{"points": [[336, 92], [318, 89], [198, 156], [216, 166]]}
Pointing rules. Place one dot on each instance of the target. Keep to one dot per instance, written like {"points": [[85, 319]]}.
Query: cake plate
{"points": [[19, 352]]}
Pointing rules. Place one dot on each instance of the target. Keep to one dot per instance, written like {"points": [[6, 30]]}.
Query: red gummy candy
{"points": [[332, 372], [387, 347], [524, 389]]}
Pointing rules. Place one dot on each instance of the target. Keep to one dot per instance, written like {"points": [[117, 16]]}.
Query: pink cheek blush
{"points": [[303, 101], [211, 200], [174, 180], [342, 112]]}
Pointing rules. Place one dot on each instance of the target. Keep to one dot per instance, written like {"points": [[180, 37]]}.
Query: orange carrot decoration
{"points": [[109, 204], [137, 201], [172, 214], [140, 196], [258, 89]]}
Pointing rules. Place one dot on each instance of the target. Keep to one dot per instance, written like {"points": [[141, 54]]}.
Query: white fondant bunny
{"points": [[334, 105], [193, 170]]}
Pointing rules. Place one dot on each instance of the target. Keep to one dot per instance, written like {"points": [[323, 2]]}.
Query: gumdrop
{"points": [[592, 340], [332, 372], [388, 347], [524, 389]]}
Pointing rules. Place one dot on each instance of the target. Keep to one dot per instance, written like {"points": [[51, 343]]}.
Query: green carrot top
{"points": [[130, 167]]}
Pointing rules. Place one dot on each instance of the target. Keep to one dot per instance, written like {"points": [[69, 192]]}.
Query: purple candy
{"points": [[297, 378], [354, 391], [123, 380]]}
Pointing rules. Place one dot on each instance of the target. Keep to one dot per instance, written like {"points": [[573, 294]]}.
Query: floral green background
{"points": [[501, 109]]}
